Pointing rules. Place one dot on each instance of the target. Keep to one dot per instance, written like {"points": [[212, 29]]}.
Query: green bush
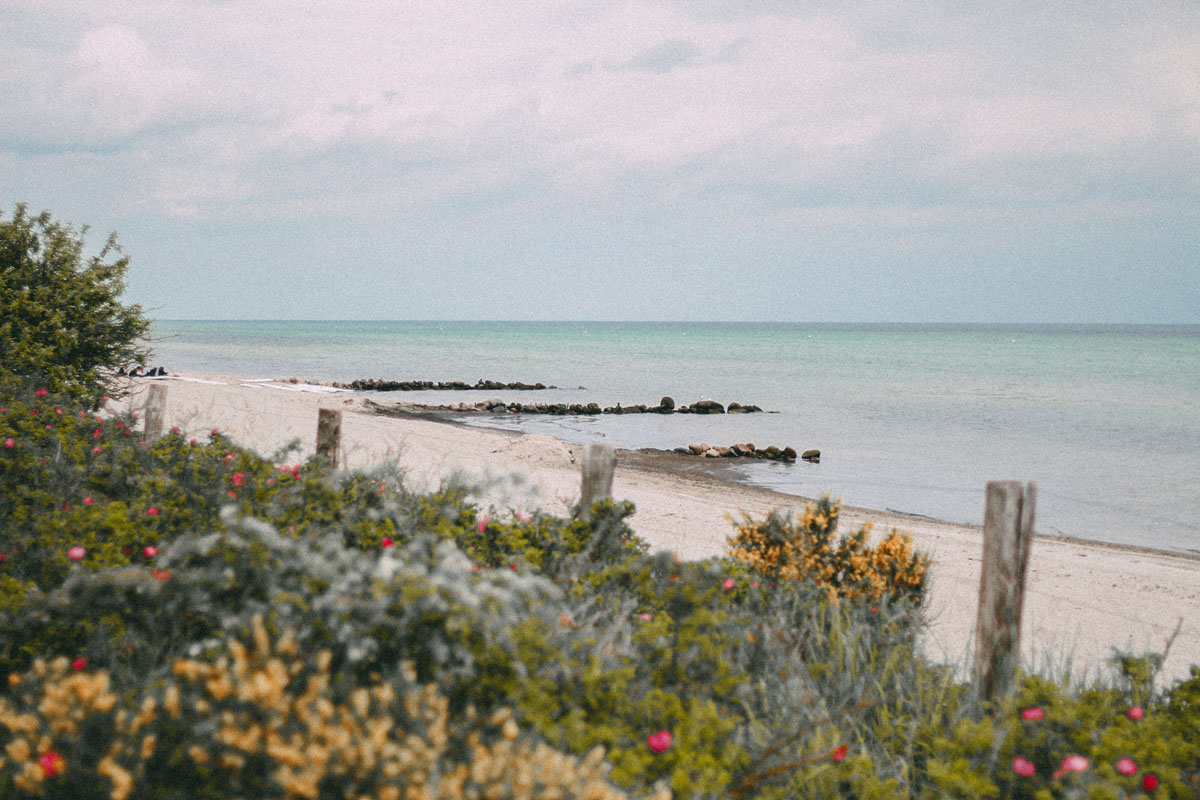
{"points": [[61, 323]]}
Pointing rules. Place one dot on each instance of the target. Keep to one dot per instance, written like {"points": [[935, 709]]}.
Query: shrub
{"points": [[723, 678], [61, 322], [271, 719], [782, 547]]}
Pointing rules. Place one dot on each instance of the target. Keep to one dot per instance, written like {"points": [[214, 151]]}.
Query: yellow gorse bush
{"points": [[806, 547], [268, 704]]}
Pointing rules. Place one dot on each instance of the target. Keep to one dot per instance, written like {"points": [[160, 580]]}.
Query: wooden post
{"points": [[1007, 535], [155, 412], [599, 463], [329, 435]]}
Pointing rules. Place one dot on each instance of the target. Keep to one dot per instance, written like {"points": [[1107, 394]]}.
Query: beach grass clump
{"points": [[784, 546]]}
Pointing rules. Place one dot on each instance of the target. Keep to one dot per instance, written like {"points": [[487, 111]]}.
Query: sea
{"points": [[911, 418]]}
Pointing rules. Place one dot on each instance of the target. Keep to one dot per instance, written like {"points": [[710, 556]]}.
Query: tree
{"points": [[61, 322]]}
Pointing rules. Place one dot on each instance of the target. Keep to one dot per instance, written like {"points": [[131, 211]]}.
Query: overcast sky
{"points": [[864, 161]]}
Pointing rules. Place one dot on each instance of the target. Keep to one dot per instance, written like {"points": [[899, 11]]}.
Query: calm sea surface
{"points": [[912, 418]]}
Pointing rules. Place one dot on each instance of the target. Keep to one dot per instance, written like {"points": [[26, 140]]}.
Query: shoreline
{"points": [[721, 474], [1083, 597]]}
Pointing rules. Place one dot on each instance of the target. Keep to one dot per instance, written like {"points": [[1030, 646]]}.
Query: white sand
{"points": [[1082, 599]]}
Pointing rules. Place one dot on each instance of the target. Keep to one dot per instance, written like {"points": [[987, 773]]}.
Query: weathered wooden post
{"points": [[1007, 536], [329, 435], [155, 412], [599, 463]]}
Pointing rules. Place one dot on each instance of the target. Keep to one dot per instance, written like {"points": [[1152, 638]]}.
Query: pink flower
{"points": [[10, 443], [483, 521], [1074, 763], [1126, 766], [97, 450], [79, 664], [239, 478], [40, 393], [52, 762], [152, 511], [76, 553], [161, 574], [1136, 713], [644, 617], [839, 754], [149, 551], [754, 585], [174, 430], [87, 501], [1033, 713], [387, 542], [728, 584], [1023, 767], [565, 621], [231, 493], [659, 742], [96, 434], [1149, 782]]}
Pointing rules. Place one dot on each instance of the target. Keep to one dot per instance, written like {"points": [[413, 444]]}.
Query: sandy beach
{"points": [[1082, 598]]}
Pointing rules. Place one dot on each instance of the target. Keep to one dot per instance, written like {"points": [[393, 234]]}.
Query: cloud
{"points": [[737, 120]]}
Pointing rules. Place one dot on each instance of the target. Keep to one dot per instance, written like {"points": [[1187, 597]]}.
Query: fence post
{"points": [[329, 435], [155, 412], [1007, 535], [599, 463]]}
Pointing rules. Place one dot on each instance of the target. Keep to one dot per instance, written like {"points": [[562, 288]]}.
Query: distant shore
{"points": [[1083, 598]]}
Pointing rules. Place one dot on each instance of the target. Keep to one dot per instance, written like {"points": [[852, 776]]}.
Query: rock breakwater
{"points": [[748, 450], [665, 406], [378, 385]]}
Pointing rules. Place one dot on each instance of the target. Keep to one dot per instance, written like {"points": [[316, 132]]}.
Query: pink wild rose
{"points": [[659, 742], [1023, 767], [1126, 766], [1074, 763]]}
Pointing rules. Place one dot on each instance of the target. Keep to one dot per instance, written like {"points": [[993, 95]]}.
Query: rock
{"points": [[735, 408], [744, 449], [707, 407], [698, 449], [788, 454], [711, 453], [667, 404], [771, 452], [811, 455]]}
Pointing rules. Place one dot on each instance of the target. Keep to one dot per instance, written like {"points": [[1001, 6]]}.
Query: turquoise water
{"points": [[911, 418]]}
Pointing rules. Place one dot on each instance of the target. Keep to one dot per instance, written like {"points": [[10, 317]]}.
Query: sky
{"points": [[619, 160]]}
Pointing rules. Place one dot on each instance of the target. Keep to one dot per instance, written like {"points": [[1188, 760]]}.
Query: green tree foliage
{"points": [[61, 322]]}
